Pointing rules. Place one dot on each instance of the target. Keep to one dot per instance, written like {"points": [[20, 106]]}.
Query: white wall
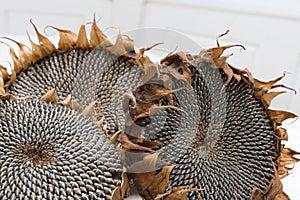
{"points": [[270, 31]]}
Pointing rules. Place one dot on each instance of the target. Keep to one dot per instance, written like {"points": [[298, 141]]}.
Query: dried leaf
{"points": [[115, 137], [67, 39], [120, 192], [2, 90], [149, 163], [278, 116], [262, 87], [82, 40], [17, 65], [177, 65], [12, 79], [286, 157], [129, 100], [4, 73], [268, 97], [45, 43], [50, 97], [97, 37], [67, 102], [281, 134], [256, 194], [129, 145], [118, 48], [161, 181], [150, 70], [217, 52], [25, 56], [275, 189], [38, 51]]}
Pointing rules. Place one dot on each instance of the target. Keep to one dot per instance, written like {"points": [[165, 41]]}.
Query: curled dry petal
{"points": [[25, 56], [2, 90], [67, 102], [120, 192], [45, 43], [4, 72], [50, 97], [38, 51], [67, 39], [278, 116], [82, 40], [97, 37]]}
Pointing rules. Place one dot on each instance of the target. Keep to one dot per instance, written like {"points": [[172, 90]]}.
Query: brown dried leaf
{"points": [[17, 65], [97, 37], [25, 54], [67, 102], [256, 194], [118, 48], [281, 134], [12, 79], [178, 66], [262, 87], [286, 157], [120, 192], [151, 144], [82, 40], [4, 72], [129, 145], [115, 137], [142, 182], [45, 43], [67, 39], [217, 52], [129, 100], [50, 97], [161, 181], [150, 71], [2, 90], [38, 52], [278, 116], [275, 189], [268, 97]]}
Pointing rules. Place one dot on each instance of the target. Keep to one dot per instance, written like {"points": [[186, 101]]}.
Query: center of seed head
{"points": [[38, 153]]}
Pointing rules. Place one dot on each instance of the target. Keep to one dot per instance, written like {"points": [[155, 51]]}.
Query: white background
{"points": [[269, 29]]}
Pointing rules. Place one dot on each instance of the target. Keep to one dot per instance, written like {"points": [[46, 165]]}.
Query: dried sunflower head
{"points": [[53, 152]]}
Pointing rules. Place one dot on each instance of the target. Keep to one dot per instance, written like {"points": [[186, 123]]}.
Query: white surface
{"points": [[269, 30]]}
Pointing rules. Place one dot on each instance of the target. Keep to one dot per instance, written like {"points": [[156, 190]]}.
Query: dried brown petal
{"points": [[2, 90], [25, 56], [97, 37], [121, 192], [129, 145], [278, 116], [268, 97], [82, 40], [67, 39], [286, 157], [67, 102], [4, 72], [38, 51], [45, 43], [50, 96]]}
